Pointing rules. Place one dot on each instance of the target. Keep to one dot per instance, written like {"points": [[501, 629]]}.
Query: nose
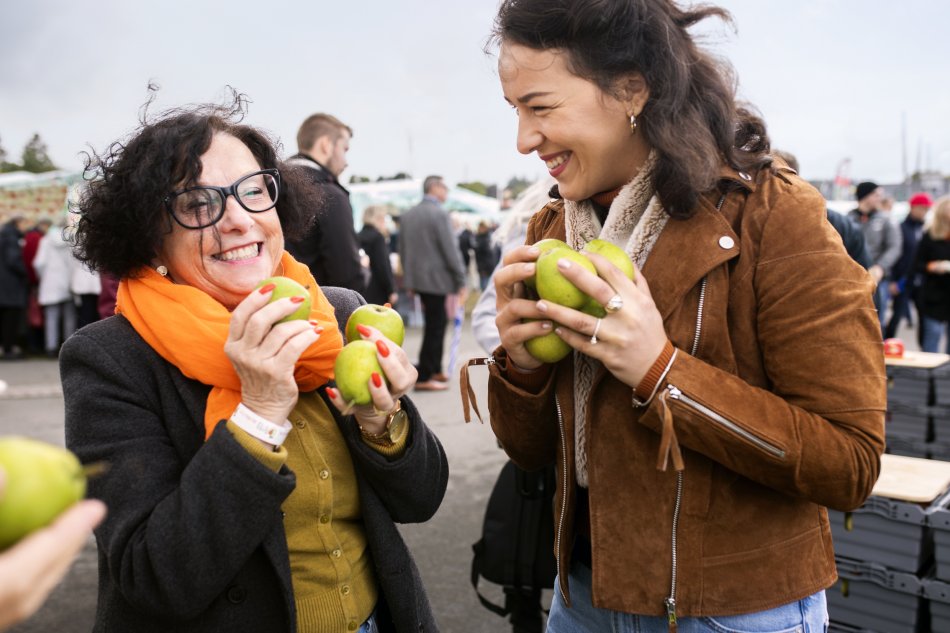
{"points": [[529, 136], [236, 217]]}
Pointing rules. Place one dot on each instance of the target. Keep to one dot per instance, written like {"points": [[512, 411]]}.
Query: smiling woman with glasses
{"points": [[244, 493]]}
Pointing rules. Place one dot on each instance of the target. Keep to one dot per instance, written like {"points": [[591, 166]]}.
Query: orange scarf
{"points": [[188, 329]]}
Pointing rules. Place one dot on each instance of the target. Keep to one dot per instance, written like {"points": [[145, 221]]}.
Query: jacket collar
{"points": [[305, 160], [710, 241]]}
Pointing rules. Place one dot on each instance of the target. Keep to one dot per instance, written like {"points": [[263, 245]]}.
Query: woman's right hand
{"points": [[264, 352], [514, 305]]}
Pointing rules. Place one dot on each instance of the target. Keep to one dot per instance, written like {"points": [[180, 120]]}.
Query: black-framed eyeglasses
{"points": [[201, 207]]}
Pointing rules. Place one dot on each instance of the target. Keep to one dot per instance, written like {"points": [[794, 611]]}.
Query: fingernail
{"points": [[542, 306], [313, 322], [383, 349], [545, 325], [318, 329], [377, 380], [296, 299], [265, 289], [529, 267], [362, 329], [387, 305], [564, 263], [331, 392]]}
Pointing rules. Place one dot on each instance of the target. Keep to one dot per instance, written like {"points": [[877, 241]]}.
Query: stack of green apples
{"points": [[357, 360], [550, 285]]}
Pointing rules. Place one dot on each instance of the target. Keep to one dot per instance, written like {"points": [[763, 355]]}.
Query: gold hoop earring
{"points": [[161, 270], [633, 124]]}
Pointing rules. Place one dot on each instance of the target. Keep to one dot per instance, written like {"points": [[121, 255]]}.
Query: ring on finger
{"points": [[615, 304], [593, 337]]}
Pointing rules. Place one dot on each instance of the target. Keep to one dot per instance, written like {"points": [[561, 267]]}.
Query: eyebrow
{"points": [[528, 97]]}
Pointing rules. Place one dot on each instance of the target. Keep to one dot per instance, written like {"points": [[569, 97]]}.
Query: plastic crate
{"points": [[940, 418], [909, 385], [940, 526], [907, 448], [909, 422], [873, 597], [891, 533], [937, 593], [939, 451], [941, 385]]}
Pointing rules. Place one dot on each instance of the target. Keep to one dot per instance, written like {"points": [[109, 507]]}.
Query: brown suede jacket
{"points": [[778, 408]]}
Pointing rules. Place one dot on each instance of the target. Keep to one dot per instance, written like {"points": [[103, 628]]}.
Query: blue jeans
{"points": [[370, 625], [933, 330], [809, 615]]}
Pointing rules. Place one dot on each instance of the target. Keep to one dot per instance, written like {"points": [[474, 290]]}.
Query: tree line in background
{"points": [[35, 158]]}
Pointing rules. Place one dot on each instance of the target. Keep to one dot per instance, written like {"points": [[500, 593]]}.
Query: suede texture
{"points": [[789, 353]]}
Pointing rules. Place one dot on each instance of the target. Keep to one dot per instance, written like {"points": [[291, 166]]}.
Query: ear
{"points": [[634, 92], [323, 148]]}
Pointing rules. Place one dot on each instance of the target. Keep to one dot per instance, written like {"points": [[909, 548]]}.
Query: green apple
{"points": [[549, 348], [545, 245], [613, 254], [354, 365], [593, 308], [553, 286], [42, 480], [287, 287], [383, 318]]}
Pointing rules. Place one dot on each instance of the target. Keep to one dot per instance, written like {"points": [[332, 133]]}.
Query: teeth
{"points": [[556, 161], [246, 252]]}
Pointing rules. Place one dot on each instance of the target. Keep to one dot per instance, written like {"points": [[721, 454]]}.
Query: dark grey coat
{"points": [[429, 251], [194, 539]]}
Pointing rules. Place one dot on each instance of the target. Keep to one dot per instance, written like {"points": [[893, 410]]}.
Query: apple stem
{"points": [[95, 469]]}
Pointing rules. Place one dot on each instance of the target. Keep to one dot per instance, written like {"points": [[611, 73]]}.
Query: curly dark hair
{"points": [[691, 118], [123, 219]]}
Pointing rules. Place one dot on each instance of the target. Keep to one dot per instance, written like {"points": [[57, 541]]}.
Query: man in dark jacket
{"points": [[330, 247], [882, 237], [905, 280], [13, 286]]}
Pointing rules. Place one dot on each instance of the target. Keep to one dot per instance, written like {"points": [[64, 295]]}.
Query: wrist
{"points": [[259, 427], [645, 390]]}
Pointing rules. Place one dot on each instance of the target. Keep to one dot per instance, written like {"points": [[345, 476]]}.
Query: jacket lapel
{"points": [[709, 241]]}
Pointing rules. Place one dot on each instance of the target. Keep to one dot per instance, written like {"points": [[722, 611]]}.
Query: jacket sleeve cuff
{"points": [[271, 459], [532, 381]]}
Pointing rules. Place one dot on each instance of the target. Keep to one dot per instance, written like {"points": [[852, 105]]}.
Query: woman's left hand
{"points": [[400, 374], [628, 340]]}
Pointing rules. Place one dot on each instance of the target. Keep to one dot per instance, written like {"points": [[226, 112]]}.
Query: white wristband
{"points": [[256, 426]]}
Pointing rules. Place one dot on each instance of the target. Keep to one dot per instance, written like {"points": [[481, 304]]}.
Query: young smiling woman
{"points": [[696, 425]]}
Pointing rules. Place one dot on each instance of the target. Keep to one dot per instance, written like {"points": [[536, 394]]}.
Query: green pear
{"points": [[42, 480], [545, 245], [549, 348], [287, 287], [613, 254], [353, 368], [553, 286], [383, 318]]}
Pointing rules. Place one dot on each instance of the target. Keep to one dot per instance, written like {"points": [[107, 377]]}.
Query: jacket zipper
{"points": [[560, 519], [670, 602], [676, 394]]}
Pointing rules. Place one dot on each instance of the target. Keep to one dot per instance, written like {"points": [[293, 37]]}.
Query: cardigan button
{"points": [[237, 594]]}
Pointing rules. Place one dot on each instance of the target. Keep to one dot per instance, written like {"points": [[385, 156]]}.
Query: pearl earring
{"points": [[161, 270], [633, 124]]}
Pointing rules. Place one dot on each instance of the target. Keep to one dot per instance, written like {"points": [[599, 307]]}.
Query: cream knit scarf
{"points": [[635, 221]]}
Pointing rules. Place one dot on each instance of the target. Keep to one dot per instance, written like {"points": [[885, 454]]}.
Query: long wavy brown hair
{"points": [[692, 119]]}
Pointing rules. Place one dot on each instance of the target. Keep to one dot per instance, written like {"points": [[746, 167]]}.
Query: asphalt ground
{"points": [[33, 406]]}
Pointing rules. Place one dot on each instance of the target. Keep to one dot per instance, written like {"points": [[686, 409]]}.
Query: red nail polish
{"points": [[296, 299], [313, 322], [362, 329], [331, 392], [377, 380], [387, 305], [318, 329], [265, 289], [383, 349]]}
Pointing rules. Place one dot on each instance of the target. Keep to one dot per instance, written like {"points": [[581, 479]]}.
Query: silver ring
{"points": [[593, 337], [614, 305]]}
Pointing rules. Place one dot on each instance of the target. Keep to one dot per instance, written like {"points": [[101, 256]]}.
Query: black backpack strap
{"points": [[529, 486], [479, 549]]}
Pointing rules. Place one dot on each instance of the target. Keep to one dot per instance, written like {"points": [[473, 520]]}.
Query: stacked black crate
{"points": [[940, 414], [885, 553], [911, 406]]}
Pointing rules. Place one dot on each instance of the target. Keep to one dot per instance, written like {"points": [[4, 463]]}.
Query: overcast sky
{"points": [[833, 78]]}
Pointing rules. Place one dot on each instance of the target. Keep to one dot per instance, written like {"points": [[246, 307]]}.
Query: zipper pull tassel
{"points": [[671, 614], [669, 444], [468, 394]]}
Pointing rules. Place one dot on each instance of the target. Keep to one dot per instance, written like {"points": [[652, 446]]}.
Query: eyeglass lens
{"points": [[203, 206]]}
